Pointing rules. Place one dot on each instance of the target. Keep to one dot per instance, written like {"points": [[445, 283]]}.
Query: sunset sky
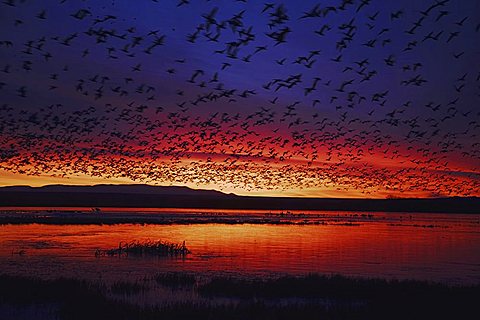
{"points": [[344, 99]]}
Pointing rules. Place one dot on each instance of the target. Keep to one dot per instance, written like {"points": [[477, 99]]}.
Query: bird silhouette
{"points": [[240, 96]]}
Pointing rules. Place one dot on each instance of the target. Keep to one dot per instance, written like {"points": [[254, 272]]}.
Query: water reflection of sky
{"points": [[430, 246]]}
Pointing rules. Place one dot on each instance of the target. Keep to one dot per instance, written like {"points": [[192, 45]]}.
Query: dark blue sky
{"points": [[399, 81]]}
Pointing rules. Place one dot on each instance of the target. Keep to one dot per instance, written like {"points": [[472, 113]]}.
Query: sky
{"points": [[374, 99]]}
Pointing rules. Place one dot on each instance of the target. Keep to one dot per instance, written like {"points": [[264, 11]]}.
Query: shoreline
{"points": [[97, 217]]}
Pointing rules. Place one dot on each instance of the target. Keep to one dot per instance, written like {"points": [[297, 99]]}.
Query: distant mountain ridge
{"points": [[147, 196], [113, 188]]}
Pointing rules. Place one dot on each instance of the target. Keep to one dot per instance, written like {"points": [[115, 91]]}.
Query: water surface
{"points": [[437, 247]]}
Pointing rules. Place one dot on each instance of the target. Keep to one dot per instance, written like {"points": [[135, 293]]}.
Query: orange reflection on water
{"points": [[448, 252]]}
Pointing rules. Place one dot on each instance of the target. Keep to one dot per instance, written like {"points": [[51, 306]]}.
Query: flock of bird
{"points": [[358, 96]]}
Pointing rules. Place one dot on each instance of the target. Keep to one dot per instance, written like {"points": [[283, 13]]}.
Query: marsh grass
{"points": [[144, 248], [256, 299], [175, 279], [328, 286], [127, 288]]}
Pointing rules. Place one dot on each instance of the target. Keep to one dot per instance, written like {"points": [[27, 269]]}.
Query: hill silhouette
{"points": [[147, 196]]}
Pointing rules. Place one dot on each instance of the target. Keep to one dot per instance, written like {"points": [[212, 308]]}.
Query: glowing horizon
{"points": [[347, 109]]}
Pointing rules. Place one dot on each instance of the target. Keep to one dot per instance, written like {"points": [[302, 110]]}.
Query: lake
{"points": [[435, 247]]}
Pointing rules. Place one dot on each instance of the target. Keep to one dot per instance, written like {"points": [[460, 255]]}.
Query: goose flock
{"points": [[366, 98]]}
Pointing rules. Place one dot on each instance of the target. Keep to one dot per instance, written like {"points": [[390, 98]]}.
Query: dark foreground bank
{"points": [[308, 297]]}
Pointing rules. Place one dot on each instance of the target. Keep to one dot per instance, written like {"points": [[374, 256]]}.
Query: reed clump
{"points": [[146, 248]]}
